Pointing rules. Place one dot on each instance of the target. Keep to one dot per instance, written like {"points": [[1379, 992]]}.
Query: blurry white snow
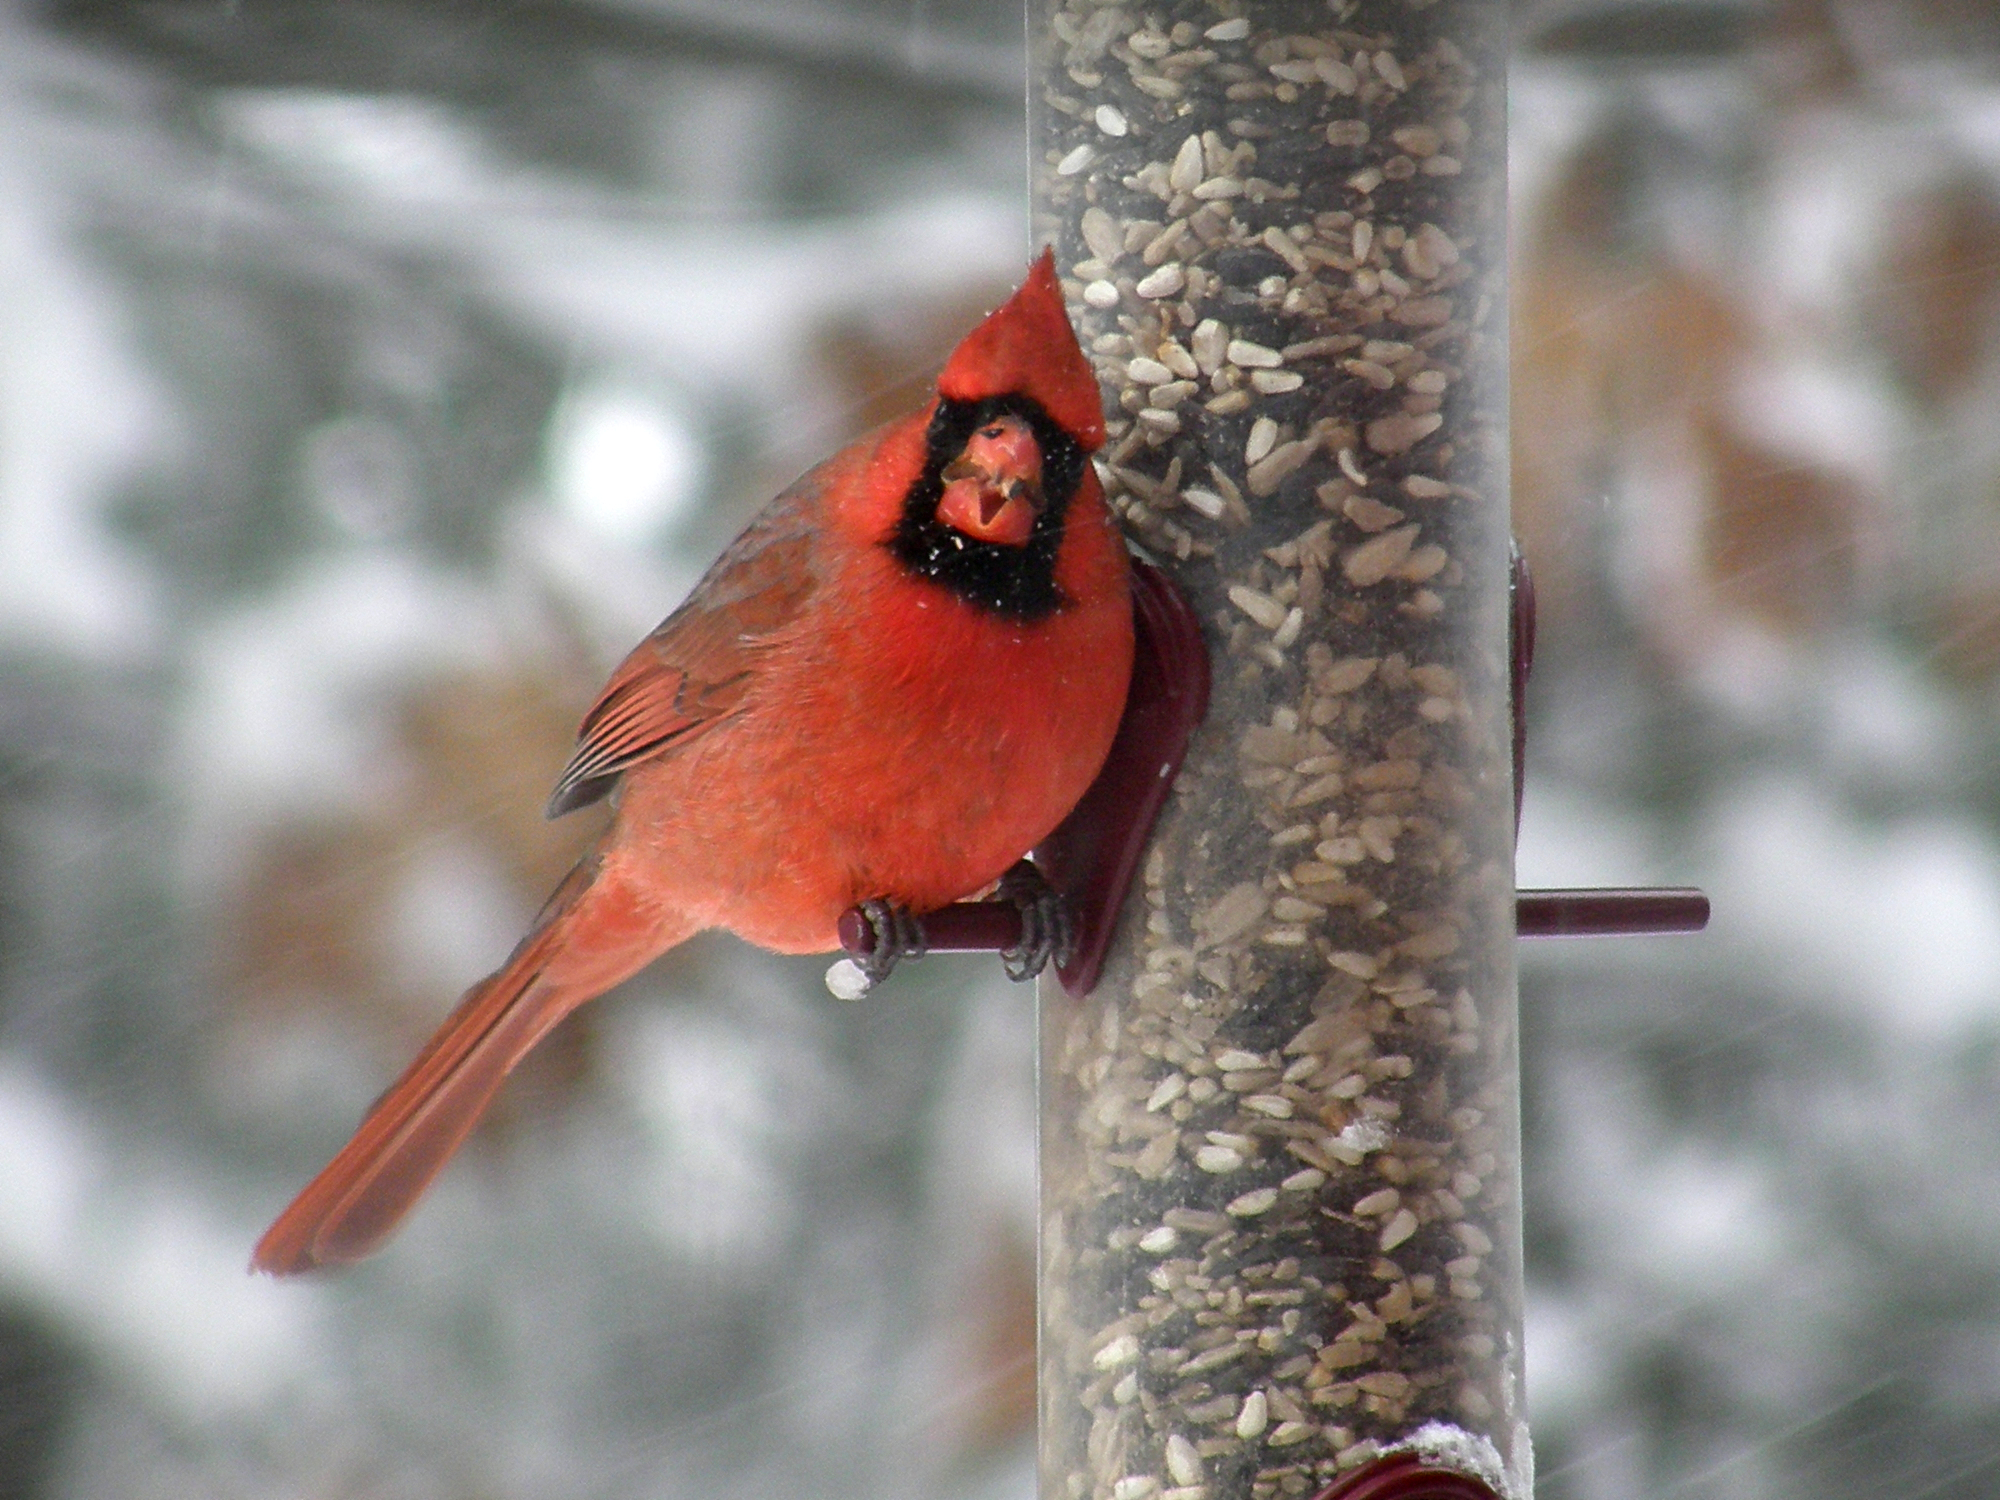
{"points": [[726, 305], [624, 461], [1899, 922], [1567, 1369], [395, 148], [454, 917], [137, 1265], [280, 715], [721, 1114], [77, 411], [1571, 838]]}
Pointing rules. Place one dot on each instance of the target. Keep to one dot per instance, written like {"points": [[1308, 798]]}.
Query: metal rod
{"points": [[1613, 911]]}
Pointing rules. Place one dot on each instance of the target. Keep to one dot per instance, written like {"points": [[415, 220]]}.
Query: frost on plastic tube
{"points": [[1280, 1206]]}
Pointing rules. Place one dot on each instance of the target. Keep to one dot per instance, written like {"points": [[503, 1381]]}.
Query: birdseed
{"points": [[1278, 1169]]}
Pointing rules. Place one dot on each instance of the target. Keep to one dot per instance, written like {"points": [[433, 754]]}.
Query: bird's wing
{"points": [[697, 667]]}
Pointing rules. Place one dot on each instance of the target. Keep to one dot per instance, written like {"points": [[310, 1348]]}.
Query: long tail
{"points": [[594, 932]]}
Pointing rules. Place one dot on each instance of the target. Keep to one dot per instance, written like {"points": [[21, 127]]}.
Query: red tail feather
{"points": [[588, 938]]}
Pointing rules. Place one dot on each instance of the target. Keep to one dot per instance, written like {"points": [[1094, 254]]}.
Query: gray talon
{"points": [[1047, 929], [899, 935]]}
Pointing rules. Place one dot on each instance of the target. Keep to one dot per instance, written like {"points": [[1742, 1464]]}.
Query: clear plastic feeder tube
{"points": [[1280, 1202]]}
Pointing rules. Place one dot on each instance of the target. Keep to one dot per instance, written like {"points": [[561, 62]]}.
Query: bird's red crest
{"points": [[1027, 347]]}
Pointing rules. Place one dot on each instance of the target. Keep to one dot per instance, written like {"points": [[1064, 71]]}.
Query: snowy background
{"points": [[371, 374]]}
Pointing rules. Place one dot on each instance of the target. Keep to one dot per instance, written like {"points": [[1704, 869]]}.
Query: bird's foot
{"points": [[898, 934], [1048, 929]]}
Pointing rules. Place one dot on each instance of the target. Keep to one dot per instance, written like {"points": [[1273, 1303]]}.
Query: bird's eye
{"points": [[996, 430]]}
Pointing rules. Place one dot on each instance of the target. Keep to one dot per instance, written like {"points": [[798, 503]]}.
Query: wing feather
{"points": [[699, 665]]}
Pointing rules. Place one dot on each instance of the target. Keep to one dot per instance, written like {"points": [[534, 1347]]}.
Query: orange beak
{"points": [[993, 489]]}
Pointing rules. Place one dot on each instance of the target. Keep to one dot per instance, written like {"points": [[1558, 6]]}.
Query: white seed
{"points": [[1165, 1092], [1423, 563], [1183, 1462], [1376, 558], [1288, 632], [1263, 437], [1225, 31], [1473, 1237], [1076, 161], [1398, 1229], [1306, 1181], [1254, 1417], [1419, 140], [1159, 421], [1236, 1060], [1165, 282], [1210, 341], [1262, 608], [1110, 120], [1134, 1487], [1232, 914], [1379, 377], [1207, 502], [1101, 294], [1275, 1106], [1177, 359], [1253, 356], [1162, 245], [1152, 1162], [1159, 1240], [1381, 1201], [1272, 470], [1120, 1351], [1218, 1159], [1286, 249], [1185, 174], [1252, 1203], [1360, 965], [1276, 382], [1148, 372], [1288, 1433], [1102, 235], [1340, 851], [1437, 245], [1337, 76], [1403, 431], [1172, 394], [845, 981]]}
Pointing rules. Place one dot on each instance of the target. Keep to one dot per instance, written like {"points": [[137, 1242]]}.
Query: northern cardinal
{"points": [[894, 683]]}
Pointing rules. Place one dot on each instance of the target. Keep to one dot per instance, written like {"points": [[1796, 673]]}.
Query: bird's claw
{"points": [[1048, 930], [898, 935]]}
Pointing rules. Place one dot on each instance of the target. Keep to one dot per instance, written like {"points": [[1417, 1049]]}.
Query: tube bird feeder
{"points": [[1280, 1202]]}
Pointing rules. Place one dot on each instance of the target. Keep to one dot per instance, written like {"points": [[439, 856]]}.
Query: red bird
{"points": [[893, 684]]}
